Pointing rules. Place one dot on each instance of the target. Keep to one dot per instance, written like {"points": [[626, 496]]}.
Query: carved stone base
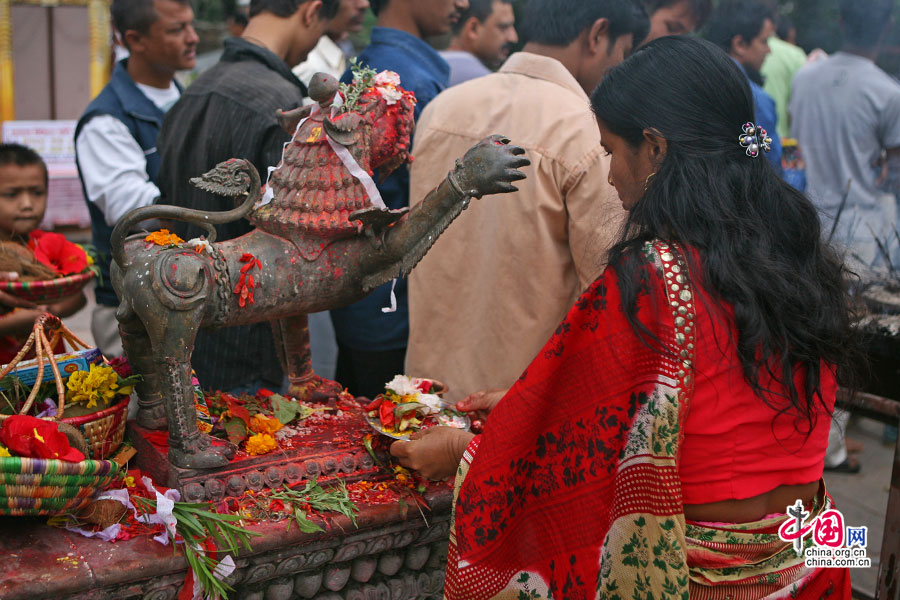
{"points": [[328, 446], [393, 556]]}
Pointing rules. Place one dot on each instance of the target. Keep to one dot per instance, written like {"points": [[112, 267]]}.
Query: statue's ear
{"points": [[288, 120], [343, 130]]}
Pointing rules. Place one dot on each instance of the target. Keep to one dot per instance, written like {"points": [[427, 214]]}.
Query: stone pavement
{"points": [[862, 497]]}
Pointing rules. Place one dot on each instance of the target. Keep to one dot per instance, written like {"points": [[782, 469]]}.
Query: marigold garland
{"points": [[260, 423], [163, 238]]}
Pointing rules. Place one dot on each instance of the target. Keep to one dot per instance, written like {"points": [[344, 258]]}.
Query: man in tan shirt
{"points": [[497, 283]]}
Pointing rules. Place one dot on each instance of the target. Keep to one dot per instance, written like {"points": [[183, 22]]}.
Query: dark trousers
{"points": [[365, 373]]}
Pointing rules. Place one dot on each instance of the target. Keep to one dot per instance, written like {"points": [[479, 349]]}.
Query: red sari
{"points": [[573, 489]]}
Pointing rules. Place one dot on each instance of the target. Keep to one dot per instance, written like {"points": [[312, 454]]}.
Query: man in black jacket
{"points": [[229, 112]]}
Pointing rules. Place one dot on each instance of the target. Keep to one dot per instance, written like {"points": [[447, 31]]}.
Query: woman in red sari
{"points": [[652, 448]]}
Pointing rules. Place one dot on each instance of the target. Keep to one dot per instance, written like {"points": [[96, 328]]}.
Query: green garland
{"points": [[363, 79]]}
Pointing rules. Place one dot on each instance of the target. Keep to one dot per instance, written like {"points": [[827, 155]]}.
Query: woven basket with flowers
{"points": [[47, 269], [50, 464]]}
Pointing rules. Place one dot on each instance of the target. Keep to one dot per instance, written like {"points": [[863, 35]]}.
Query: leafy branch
{"points": [[363, 79], [313, 496], [195, 523]]}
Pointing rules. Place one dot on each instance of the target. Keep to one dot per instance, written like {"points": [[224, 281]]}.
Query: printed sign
{"points": [[833, 544]]}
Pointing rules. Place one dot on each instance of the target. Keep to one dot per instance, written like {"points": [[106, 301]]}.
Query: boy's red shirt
{"points": [[61, 255]]}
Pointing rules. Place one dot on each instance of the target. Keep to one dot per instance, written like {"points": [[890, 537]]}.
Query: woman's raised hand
{"points": [[480, 404]]}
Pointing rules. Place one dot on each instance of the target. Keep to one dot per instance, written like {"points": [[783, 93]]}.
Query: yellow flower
{"points": [[87, 387], [129, 481], [163, 238], [4, 451], [261, 443], [87, 255], [260, 423]]}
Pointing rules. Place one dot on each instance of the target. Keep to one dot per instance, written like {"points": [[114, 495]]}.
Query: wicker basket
{"points": [[103, 430], [35, 486], [49, 290]]}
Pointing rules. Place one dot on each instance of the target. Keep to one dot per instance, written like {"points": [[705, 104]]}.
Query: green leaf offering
{"points": [[236, 430], [286, 410]]}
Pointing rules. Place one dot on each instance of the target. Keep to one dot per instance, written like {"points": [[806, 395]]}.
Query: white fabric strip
{"points": [[269, 195], [393, 306], [364, 178]]}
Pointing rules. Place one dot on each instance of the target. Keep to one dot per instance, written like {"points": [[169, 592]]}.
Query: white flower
{"points": [[432, 401], [390, 94], [387, 78], [402, 385], [199, 244]]}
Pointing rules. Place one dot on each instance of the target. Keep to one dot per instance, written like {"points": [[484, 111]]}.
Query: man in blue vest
{"points": [[115, 139]]}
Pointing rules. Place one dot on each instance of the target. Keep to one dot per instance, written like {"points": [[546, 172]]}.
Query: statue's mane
{"points": [[314, 193]]}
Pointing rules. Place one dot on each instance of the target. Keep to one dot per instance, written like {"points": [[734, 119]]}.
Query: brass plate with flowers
{"points": [[411, 404]]}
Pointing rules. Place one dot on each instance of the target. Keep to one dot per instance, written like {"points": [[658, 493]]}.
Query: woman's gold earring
{"points": [[610, 181], [647, 181]]}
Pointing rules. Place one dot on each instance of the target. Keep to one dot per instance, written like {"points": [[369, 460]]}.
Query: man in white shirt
{"points": [[482, 39], [115, 139], [328, 56]]}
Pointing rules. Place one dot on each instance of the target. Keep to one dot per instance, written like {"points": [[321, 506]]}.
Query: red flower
{"points": [[424, 386], [264, 393], [120, 366], [375, 403], [236, 409], [55, 251], [386, 412], [246, 283], [36, 438]]}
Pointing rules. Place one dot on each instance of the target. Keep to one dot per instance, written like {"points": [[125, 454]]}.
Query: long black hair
{"points": [[759, 238]]}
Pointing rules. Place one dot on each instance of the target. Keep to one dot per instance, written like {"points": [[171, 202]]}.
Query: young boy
{"points": [[23, 200]]}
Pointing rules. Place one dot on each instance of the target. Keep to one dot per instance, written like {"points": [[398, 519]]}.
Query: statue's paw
{"points": [[490, 167], [315, 388], [151, 417], [201, 452]]}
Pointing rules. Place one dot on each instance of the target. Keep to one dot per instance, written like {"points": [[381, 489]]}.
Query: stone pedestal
{"points": [[393, 555], [328, 445]]}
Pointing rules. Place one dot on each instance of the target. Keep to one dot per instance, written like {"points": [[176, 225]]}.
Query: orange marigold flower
{"points": [[260, 423], [261, 443], [163, 238]]}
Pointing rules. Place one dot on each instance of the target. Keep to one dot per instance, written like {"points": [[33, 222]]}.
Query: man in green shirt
{"points": [[778, 70]]}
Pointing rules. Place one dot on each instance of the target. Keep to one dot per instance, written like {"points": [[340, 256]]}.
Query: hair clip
{"points": [[755, 138]]}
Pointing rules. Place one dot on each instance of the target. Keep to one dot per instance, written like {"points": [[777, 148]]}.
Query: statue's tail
{"points": [[233, 177]]}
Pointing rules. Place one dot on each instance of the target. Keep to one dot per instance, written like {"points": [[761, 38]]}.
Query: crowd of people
{"points": [[654, 326]]}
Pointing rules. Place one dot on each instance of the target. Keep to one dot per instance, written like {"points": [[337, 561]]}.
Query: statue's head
{"points": [[317, 186], [378, 112]]}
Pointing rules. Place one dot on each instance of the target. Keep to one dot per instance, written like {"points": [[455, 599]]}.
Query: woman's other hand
{"points": [[480, 404], [434, 452]]}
